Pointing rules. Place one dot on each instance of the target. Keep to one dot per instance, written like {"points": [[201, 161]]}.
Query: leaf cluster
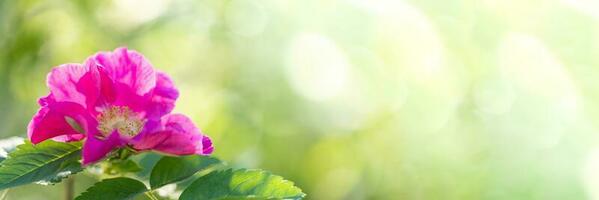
{"points": [[50, 162]]}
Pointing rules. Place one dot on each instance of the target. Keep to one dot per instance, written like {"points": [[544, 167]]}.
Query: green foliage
{"points": [[146, 161], [47, 163], [173, 169], [120, 188], [241, 183], [121, 167]]}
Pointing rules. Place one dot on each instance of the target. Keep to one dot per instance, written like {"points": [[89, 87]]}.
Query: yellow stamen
{"points": [[119, 118]]}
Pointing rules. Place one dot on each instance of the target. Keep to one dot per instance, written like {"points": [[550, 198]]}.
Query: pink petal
{"points": [[127, 67], [149, 141], [180, 123], [50, 122], [73, 83], [164, 96], [44, 101], [207, 147], [116, 93], [150, 136], [95, 149], [179, 143], [69, 138], [107, 92], [127, 97], [179, 136]]}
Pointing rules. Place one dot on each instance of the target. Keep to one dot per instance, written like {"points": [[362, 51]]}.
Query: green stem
{"points": [[3, 194], [151, 195], [69, 188]]}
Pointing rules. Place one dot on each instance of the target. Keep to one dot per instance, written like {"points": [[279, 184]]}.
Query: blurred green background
{"points": [[356, 99]]}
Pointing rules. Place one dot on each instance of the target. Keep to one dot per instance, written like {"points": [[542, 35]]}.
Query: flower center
{"points": [[119, 118]]}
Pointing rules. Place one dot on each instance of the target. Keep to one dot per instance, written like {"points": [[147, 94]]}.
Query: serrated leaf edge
{"points": [[11, 155], [243, 170], [101, 181]]}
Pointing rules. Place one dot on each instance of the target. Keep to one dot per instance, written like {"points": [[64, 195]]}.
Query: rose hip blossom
{"points": [[115, 99]]}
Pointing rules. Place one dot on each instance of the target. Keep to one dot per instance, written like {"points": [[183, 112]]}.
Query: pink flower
{"points": [[115, 99]]}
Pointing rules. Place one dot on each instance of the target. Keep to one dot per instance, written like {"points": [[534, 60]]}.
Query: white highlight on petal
{"points": [[317, 68]]}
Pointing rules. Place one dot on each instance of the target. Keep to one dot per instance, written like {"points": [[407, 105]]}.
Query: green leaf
{"points": [[147, 161], [120, 188], [121, 167], [173, 169], [242, 183], [46, 163]]}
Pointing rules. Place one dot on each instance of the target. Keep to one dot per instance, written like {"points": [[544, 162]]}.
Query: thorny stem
{"points": [[69, 188]]}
